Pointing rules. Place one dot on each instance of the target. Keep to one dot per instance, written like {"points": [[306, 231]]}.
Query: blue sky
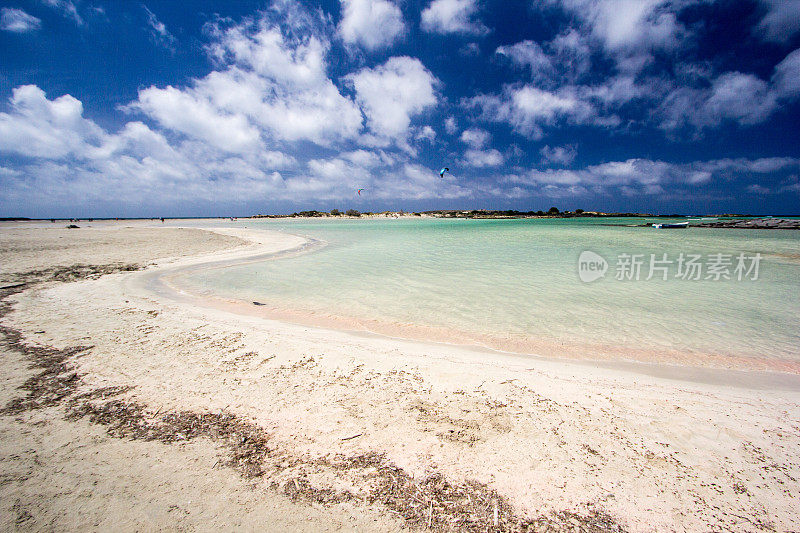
{"points": [[166, 108]]}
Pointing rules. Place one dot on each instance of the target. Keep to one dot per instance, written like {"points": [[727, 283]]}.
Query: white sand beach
{"points": [[188, 414]]}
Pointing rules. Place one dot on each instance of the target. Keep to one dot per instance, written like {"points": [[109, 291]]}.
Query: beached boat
{"points": [[669, 225]]}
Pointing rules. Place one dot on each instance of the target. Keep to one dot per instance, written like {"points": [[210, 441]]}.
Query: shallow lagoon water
{"points": [[514, 284]]}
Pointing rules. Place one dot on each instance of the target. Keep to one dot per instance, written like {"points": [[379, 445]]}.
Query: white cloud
{"points": [[70, 160], [629, 32], [527, 108], [741, 97], [530, 55], [450, 125], [781, 21], [765, 165], [9, 172], [644, 176], [372, 24], [478, 155], [414, 181], [67, 8], [339, 177], [558, 155], [621, 89], [692, 96], [452, 16], [263, 48], [392, 93], [483, 158], [733, 96], [232, 135], [535, 104], [426, 133], [38, 127], [628, 24], [787, 75], [191, 113], [158, 30], [287, 111], [269, 84], [475, 137], [757, 189], [565, 59], [339, 172], [18, 21], [367, 159], [470, 50]]}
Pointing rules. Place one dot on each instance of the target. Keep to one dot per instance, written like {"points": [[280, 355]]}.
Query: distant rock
{"points": [[752, 223]]}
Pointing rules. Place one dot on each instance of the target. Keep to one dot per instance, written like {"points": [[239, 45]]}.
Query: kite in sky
{"points": [[441, 172], [359, 191]]}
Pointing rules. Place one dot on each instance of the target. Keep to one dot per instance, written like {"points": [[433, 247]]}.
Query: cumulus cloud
{"points": [[269, 86], [262, 47], [741, 97], [479, 155], [558, 155], [269, 120], [38, 127], [733, 96], [425, 133], [781, 20], [192, 113], [628, 24], [392, 94], [629, 33], [450, 125], [564, 59], [483, 158], [372, 24], [529, 54], [69, 160], [787, 76], [475, 137], [243, 128], [340, 172], [644, 176], [452, 16], [528, 109], [18, 21]]}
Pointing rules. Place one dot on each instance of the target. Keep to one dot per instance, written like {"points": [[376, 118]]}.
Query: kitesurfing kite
{"points": [[359, 191], [441, 172]]}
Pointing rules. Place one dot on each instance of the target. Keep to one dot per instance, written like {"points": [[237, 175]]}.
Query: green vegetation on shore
{"points": [[553, 212]]}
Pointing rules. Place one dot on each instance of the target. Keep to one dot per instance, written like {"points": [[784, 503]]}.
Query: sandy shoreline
{"points": [[548, 440]]}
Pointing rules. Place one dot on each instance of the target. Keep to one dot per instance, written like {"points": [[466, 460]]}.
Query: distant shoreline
{"points": [[499, 214], [441, 213]]}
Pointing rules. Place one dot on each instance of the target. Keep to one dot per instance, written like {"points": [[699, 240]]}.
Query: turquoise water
{"points": [[514, 284]]}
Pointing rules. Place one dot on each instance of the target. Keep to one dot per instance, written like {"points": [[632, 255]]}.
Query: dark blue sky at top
{"points": [[105, 53]]}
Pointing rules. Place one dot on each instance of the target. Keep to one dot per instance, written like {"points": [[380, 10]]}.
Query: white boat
{"points": [[670, 225]]}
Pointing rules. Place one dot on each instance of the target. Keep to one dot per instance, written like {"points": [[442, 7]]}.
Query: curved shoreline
{"points": [[729, 370]]}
